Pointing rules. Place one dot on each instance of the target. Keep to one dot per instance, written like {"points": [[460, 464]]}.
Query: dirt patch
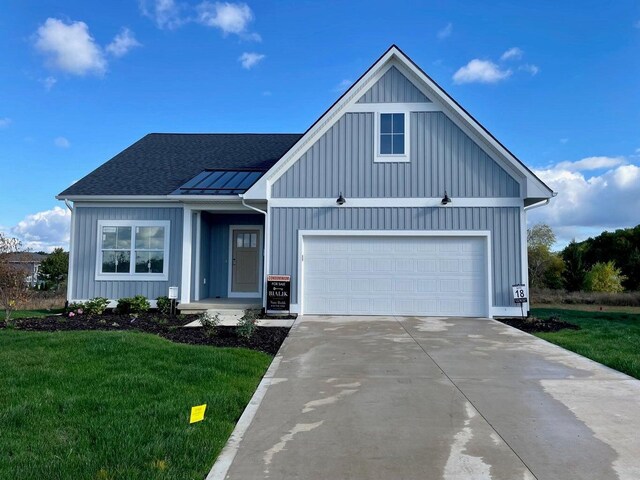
{"points": [[534, 324], [265, 339]]}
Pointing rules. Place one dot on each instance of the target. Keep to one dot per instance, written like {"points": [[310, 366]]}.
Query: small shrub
{"points": [[74, 308], [137, 304], [247, 324], [96, 306], [604, 277], [164, 305], [209, 323]]}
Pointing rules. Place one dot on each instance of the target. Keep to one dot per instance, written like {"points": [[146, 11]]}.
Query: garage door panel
{"points": [[395, 275]]}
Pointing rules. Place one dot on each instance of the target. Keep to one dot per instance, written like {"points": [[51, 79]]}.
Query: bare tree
{"points": [[14, 291]]}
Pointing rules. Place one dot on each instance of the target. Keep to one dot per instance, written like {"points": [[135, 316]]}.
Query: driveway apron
{"points": [[434, 398]]}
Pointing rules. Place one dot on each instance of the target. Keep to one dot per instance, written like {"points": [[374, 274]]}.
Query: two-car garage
{"points": [[411, 274]]}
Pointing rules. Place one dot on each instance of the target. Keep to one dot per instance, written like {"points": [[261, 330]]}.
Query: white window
{"points": [[392, 137], [132, 250]]}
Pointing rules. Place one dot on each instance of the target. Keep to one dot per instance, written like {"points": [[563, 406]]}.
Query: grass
{"points": [[115, 405], [36, 313], [611, 338]]}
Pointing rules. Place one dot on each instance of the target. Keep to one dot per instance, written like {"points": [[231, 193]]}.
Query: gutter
{"points": [[241, 195], [66, 202], [541, 203]]}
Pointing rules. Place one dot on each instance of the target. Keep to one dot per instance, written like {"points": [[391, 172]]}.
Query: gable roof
{"points": [[159, 163], [533, 187]]}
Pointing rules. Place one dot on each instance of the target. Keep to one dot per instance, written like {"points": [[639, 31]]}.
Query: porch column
{"points": [[187, 231]]}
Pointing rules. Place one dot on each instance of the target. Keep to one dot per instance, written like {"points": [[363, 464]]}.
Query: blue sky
{"points": [[556, 82]]}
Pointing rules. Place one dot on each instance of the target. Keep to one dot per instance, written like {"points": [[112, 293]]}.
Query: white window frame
{"points": [[131, 275], [393, 157]]}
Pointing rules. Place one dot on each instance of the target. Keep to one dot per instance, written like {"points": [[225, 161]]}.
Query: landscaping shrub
{"points": [[247, 324], [163, 304], [137, 304], [75, 308], [209, 323], [96, 306]]}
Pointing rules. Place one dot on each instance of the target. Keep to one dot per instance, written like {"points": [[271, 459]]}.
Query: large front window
{"points": [[132, 250]]}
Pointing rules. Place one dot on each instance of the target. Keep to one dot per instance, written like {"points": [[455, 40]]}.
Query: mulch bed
{"points": [[534, 324], [265, 339]]}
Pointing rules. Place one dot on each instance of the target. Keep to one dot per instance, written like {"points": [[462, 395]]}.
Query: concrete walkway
{"points": [[433, 398]]}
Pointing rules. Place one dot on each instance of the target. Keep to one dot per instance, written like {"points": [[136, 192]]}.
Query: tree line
{"points": [[609, 262]]}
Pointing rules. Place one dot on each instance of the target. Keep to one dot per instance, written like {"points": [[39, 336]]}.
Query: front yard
{"points": [[611, 338], [115, 404]]}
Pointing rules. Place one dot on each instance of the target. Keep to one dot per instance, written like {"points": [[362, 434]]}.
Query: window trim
{"points": [[391, 157], [131, 275]]}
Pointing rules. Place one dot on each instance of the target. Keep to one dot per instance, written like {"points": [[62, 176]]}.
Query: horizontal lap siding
{"points": [[393, 87], [442, 157], [85, 244], [503, 223]]}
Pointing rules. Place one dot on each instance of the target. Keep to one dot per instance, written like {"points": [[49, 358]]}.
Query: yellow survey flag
{"points": [[197, 413]]}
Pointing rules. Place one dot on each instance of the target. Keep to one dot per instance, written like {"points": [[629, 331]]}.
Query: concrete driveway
{"points": [[433, 398]]}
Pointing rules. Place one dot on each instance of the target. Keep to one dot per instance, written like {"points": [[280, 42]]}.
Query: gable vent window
{"points": [[132, 250], [392, 133]]}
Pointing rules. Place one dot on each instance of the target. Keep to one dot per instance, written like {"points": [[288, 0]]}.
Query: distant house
{"points": [[29, 263], [395, 201]]}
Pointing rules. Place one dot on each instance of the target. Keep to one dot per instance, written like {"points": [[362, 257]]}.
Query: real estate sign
{"points": [[278, 293]]}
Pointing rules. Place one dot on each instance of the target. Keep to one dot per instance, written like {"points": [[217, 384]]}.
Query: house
{"points": [[395, 201], [28, 263]]}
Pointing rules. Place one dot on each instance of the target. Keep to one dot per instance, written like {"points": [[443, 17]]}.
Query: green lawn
{"points": [[115, 405], [32, 313], [612, 339]]}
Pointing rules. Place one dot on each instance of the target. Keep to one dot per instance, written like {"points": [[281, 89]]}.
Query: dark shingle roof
{"points": [[159, 163]]}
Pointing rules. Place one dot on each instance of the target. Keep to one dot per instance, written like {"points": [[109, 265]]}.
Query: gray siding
{"points": [[85, 243], [393, 86], [218, 250], [503, 223], [442, 157]]}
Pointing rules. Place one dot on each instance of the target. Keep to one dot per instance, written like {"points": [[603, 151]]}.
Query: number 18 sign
{"points": [[520, 293]]}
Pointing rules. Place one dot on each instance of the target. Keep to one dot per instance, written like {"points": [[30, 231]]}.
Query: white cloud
{"points": [[529, 68], [165, 13], [61, 142], [48, 82], [44, 230], [250, 59], [70, 47], [514, 53], [591, 163], [122, 43], [480, 71], [590, 203], [343, 85], [5, 122], [230, 18], [445, 32]]}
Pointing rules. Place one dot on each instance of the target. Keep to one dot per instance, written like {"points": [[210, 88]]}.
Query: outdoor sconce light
{"points": [[445, 199], [341, 200]]}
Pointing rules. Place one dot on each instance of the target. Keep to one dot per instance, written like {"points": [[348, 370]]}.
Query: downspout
{"points": [[70, 279], [66, 202], [264, 246], [541, 203]]}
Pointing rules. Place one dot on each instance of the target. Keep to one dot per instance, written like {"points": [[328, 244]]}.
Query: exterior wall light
{"points": [[445, 199], [341, 200]]}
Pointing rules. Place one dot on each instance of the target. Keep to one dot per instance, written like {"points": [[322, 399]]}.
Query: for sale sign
{"points": [[520, 293], [278, 293]]}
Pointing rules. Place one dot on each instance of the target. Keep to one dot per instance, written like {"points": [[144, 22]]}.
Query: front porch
{"points": [[223, 259]]}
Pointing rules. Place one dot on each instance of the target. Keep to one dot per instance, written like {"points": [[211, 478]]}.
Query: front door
{"points": [[245, 261]]}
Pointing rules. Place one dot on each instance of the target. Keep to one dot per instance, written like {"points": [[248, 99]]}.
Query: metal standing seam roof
{"points": [[160, 163], [220, 182]]}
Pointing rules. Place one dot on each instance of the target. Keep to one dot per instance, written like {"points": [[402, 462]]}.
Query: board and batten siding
{"points": [[502, 222], [442, 157], [393, 86], [85, 243]]}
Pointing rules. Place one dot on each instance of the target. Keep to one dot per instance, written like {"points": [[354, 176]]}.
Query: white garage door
{"points": [[392, 275]]}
